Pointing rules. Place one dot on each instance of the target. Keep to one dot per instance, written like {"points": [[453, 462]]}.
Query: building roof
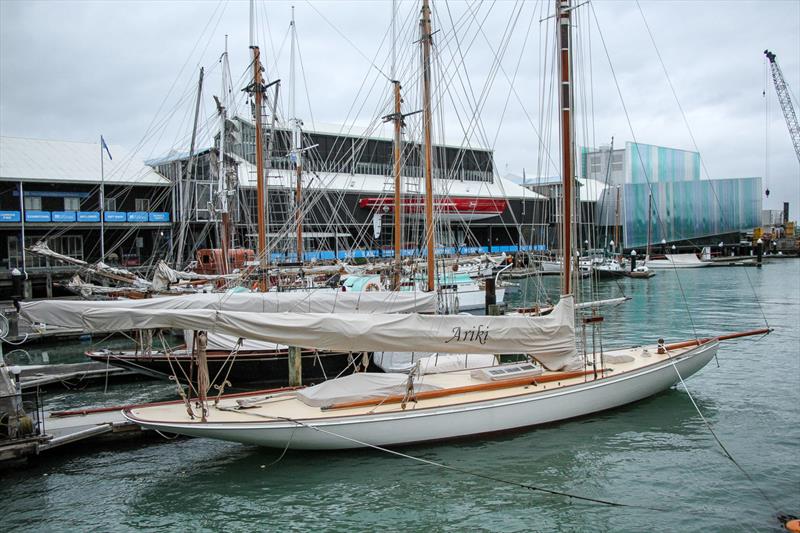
{"points": [[382, 131], [39, 160], [590, 190], [375, 184]]}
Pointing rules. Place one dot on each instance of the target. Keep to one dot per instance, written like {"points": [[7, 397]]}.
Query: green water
{"points": [[656, 453]]}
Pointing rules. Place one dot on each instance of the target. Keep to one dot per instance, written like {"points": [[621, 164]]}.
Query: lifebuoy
{"points": [[371, 287]]}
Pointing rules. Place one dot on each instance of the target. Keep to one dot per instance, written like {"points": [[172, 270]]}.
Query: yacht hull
{"points": [[466, 419]]}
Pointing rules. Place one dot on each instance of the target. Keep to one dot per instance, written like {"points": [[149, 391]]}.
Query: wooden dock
{"points": [[71, 374]]}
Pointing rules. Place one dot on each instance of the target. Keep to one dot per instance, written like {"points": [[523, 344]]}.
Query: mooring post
{"points": [[201, 343], [759, 252], [491, 295], [295, 366]]}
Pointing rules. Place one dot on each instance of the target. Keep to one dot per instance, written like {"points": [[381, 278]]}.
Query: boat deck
{"points": [[287, 406]]}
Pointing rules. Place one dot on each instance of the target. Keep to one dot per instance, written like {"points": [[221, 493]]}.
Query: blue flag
{"points": [[104, 145]]}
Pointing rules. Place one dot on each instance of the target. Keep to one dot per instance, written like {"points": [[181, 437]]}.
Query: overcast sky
{"points": [[72, 70]]}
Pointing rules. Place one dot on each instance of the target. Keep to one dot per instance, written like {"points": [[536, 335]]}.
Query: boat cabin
{"points": [[209, 260]]}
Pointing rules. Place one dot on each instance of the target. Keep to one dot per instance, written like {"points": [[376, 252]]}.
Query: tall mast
{"points": [[184, 194], [397, 149], [563, 11], [425, 40], [398, 211], [223, 182], [258, 91], [296, 143]]}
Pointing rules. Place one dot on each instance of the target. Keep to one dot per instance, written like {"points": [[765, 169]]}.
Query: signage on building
{"points": [[158, 217], [63, 216], [114, 216], [137, 216], [88, 216], [9, 216], [37, 216]]}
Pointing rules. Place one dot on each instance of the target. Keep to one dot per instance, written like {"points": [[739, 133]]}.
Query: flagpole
{"points": [[102, 205]]}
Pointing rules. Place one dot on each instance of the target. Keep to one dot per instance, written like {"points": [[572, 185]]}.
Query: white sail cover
{"points": [[67, 313], [358, 387], [226, 343], [164, 276], [550, 338]]}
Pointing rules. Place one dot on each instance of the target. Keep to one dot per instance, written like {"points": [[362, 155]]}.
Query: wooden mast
{"points": [[223, 182], [565, 103], [425, 40], [296, 150], [398, 211], [258, 90]]}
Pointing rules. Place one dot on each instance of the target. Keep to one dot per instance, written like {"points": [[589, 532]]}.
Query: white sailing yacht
{"points": [[457, 391]]}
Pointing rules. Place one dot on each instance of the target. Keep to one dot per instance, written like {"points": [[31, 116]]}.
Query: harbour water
{"points": [[657, 457]]}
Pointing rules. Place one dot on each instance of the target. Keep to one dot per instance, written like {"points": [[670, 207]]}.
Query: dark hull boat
{"points": [[248, 368]]}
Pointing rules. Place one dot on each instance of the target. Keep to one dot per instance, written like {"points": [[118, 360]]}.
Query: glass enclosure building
{"points": [[684, 206]]}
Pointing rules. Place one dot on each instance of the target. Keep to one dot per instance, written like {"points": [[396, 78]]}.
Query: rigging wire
{"points": [[528, 486], [694, 143], [647, 178], [356, 48], [719, 442]]}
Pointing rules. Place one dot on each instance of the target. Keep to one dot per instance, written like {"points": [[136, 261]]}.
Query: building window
{"points": [[616, 161], [72, 204], [143, 204], [70, 245], [110, 204], [33, 203], [203, 201]]}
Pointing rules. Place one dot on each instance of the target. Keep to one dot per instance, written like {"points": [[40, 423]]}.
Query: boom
{"points": [[786, 102]]}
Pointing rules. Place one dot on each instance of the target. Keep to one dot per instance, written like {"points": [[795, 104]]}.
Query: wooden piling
{"points": [[491, 294], [295, 354]]}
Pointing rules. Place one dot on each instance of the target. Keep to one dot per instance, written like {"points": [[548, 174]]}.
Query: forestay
{"points": [[67, 313], [550, 338]]}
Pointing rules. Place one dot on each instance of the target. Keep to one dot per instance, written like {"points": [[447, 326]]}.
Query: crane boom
{"points": [[786, 102]]}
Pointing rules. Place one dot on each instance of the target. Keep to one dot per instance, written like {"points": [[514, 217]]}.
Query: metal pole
{"points": [[22, 220], [188, 175]]}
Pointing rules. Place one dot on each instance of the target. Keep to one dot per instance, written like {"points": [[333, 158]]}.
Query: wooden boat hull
{"points": [[256, 367], [467, 419]]}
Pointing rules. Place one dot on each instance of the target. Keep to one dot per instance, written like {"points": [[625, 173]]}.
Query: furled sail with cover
{"points": [[67, 313], [550, 338]]}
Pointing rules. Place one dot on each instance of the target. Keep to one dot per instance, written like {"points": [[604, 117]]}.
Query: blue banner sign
{"points": [[88, 216], [115, 216], [37, 216], [158, 217], [137, 216], [9, 216], [63, 216]]}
